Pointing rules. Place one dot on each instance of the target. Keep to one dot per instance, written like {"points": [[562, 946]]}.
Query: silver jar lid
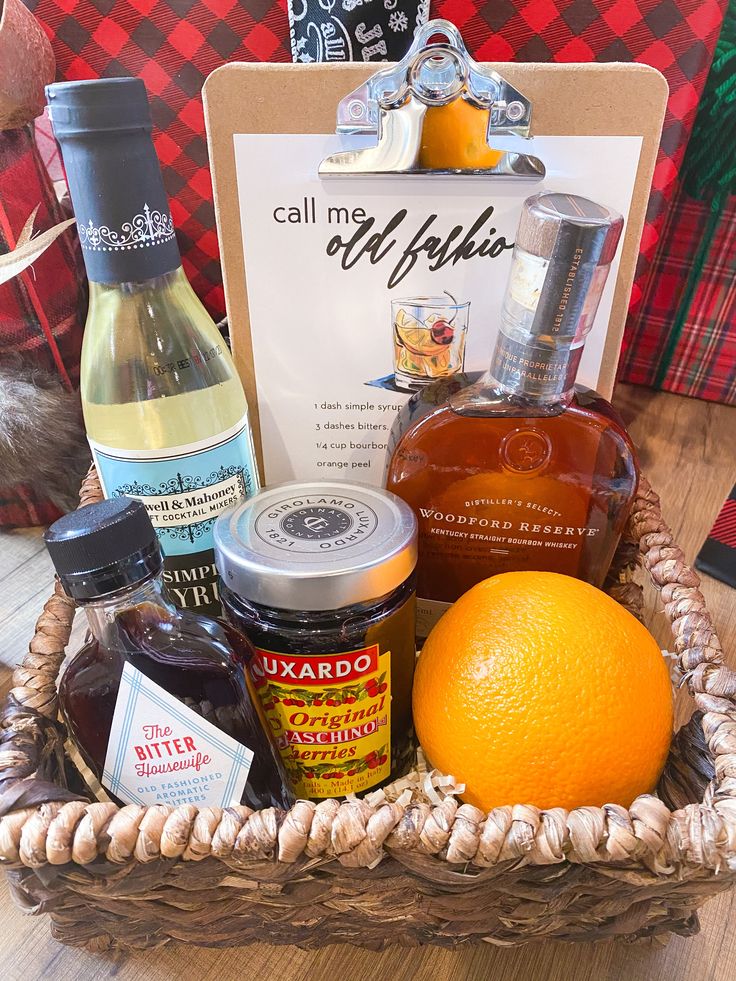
{"points": [[316, 546]]}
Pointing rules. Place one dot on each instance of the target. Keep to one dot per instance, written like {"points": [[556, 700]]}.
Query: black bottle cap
{"points": [[100, 104], [104, 130], [104, 547]]}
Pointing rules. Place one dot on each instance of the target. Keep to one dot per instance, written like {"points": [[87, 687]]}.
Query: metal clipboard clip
{"points": [[401, 105]]}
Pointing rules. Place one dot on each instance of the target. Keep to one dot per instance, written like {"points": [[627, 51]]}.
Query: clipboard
{"points": [[567, 100]]}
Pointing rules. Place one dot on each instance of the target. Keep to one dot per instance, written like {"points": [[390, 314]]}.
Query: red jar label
{"points": [[330, 715]]}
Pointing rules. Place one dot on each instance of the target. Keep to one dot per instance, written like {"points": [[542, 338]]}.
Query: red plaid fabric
{"points": [[21, 508], [717, 557], [724, 530], [42, 309], [702, 360], [48, 148], [172, 45]]}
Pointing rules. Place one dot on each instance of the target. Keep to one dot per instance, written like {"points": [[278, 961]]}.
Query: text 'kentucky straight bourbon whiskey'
{"points": [[517, 469]]}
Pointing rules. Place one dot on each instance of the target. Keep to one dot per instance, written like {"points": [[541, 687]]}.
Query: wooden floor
{"points": [[688, 451]]}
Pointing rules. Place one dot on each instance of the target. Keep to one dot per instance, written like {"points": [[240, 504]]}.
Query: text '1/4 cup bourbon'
{"points": [[518, 469]]}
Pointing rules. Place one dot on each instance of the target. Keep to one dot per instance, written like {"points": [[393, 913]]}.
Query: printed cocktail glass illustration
{"points": [[429, 339]]}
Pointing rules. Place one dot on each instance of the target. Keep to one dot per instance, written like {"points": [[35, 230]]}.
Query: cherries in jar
{"points": [[320, 577]]}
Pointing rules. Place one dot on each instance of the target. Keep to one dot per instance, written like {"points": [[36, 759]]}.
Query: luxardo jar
{"points": [[320, 577]]}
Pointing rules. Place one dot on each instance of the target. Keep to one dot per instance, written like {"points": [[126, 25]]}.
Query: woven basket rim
{"points": [[43, 823]]}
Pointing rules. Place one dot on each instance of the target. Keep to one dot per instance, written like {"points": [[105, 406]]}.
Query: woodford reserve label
{"points": [[330, 715]]}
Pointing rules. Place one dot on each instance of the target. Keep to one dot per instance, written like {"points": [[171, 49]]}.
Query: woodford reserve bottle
{"points": [[517, 469], [164, 409]]}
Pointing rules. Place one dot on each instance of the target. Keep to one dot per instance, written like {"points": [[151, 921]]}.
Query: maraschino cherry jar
{"points": [[157, 701], [320, 577]]}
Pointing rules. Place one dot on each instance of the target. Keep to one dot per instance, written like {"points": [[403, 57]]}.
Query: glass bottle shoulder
{"points": [[465, 417], [473, 397], [150, 339], [155, 370]]}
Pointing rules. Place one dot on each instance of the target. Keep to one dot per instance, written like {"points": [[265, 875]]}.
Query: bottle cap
{"points": [[554, 225], [104, 130], [316, 546], [96, 105], [104, 547]]}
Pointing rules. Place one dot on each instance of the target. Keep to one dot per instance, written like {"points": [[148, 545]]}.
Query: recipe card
{"points": [[362, 290]]}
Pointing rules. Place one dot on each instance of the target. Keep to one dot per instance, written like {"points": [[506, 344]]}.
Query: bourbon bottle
{"points": [[157, 701], [517, 468]]}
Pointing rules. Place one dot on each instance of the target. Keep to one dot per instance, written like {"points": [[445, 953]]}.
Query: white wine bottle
{"points": [[164, 409]]}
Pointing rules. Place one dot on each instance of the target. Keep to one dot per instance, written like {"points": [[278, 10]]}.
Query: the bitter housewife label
{"points": [[330, 715], [184, 489], [162, 752]]}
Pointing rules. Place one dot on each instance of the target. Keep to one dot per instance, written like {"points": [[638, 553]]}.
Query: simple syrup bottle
{"points": [[519, 469], [164, 409], [157, 700]]}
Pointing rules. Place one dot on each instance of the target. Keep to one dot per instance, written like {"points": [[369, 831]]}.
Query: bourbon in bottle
{"points": [[518, 468]]}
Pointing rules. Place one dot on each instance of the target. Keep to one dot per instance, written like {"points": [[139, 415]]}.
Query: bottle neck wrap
{"points": [[541, 372], [123, 217]]}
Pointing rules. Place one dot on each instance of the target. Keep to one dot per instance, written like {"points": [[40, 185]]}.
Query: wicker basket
{"points": [[424, 870]]}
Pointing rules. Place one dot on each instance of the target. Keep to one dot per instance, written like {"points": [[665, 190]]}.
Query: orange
{"points": [[455, 136], [536, 688]]}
